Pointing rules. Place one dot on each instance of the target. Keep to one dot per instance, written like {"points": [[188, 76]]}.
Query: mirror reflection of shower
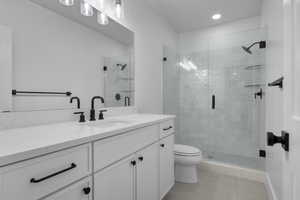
{"points": [[119, 82], [262, 45], [122, 66]]}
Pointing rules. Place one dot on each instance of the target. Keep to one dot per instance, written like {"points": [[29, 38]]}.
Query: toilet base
{"points": [[186, 173]]}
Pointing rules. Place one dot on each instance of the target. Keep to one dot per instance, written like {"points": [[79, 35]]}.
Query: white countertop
{"points": [[24, 143]]}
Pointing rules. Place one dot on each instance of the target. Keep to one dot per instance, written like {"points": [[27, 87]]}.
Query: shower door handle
{"points": [[213, 102]]}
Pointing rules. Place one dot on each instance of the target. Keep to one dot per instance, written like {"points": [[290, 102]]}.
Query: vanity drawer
{"points": [[167, 128], [112, 149], [35, 178]]}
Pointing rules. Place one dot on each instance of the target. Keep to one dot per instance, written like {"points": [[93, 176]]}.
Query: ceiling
{"points": [[189, 15]]}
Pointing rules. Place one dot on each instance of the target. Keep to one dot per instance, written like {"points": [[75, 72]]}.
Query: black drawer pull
{"points": [[162, 145], [166, 129], [33, 180]]}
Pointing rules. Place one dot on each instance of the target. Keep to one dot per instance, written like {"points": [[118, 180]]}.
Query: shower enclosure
{"points": [[216, 91]]}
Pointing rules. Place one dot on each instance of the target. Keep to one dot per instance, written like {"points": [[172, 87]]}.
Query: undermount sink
{"points": [[108, 123]]}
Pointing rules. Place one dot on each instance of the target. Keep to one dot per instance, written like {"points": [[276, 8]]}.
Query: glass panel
{"points": [[235, 77], [233, 132], [194, 101], [171, 84]]}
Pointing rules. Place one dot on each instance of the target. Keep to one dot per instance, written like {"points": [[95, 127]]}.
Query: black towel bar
{"points": [[15, 92]]}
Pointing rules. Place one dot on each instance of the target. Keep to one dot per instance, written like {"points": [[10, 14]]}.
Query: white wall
{"points": [[272, 19], [198, 40], [6, 68]]}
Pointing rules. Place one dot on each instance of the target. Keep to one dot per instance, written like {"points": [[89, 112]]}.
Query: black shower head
{"points": [[262, 45], [247, 49]]}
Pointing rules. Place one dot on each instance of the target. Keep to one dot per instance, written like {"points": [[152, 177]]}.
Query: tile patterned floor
{"points": [[213, 186]]}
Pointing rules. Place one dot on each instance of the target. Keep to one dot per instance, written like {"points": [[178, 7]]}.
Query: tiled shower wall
{"points": [[232, 131]]}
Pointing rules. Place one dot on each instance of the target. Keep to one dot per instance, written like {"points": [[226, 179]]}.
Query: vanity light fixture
{"points": [[119, 9], [86, 9], [67, 2], [102, 18], [101, 4], [216, 16]]}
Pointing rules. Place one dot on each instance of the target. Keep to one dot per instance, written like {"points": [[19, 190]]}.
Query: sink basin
{"points": [[108, 123]]}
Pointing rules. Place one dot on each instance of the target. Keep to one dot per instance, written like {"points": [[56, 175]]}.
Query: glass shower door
{"points": [[194, 101], [234, 123]]}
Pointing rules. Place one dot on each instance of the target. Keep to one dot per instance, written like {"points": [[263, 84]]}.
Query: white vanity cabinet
{"points": [[135, 177], [81, 190], [36, 178], [116, 181], [133, 165], [147, 173], [166, 153]]}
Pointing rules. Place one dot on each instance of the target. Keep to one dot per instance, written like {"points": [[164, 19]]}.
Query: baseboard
{"points": [[232, 170], [269, 188]]}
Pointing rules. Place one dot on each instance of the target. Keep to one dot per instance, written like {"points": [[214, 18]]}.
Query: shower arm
{"points": [[253, 45]]}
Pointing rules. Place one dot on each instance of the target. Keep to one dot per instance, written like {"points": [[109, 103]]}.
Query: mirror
{"points": [[48, 47]]}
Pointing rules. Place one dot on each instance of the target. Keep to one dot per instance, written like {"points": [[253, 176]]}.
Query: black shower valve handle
{"points": [[260, 94]]}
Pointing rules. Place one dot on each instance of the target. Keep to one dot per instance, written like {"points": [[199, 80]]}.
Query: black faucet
{"points": [[92, 112], [78, 101]]}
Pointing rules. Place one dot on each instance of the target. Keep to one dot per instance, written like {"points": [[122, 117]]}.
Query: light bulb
{"points": [[102, 18], [119, 9], [101, 5], [86, 9], [216, 16], [67, 2]]}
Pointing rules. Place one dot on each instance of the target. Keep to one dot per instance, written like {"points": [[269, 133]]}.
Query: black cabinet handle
{"points": [[141, 158], [166, 129], [162, 145], [33, 180], [133, 162], [86, 190], [213, 102]]}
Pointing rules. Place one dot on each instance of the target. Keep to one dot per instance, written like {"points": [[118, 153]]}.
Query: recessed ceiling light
{"points": [[67, 2], [216, 16]]}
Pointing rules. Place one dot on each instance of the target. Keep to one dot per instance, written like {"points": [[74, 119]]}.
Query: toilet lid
{"points": [[180, 149]]}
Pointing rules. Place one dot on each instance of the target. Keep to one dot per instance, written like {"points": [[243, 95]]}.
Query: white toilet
{"points": [[186, 160]]}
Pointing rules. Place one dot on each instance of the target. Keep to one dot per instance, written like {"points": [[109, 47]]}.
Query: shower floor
{"points": [[241, 161], [216, 186]]}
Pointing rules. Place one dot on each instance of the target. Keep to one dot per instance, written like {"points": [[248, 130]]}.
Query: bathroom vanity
{"points": [[121, 158]]}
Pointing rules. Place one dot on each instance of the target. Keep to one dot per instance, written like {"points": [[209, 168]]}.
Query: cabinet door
{"points": [[78, 191], [166, 165], [116, 182], [148, 173]]}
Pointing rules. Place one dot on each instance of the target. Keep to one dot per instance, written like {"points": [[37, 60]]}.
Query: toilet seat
{"points": [[185, 150]]}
